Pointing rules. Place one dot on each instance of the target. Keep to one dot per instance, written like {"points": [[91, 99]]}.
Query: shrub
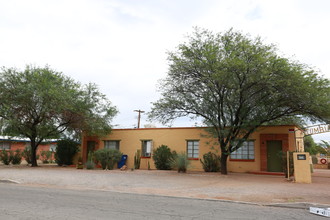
{"points": [[211, 162], [90, 163], [181, 162], [163, 158], [6, 157], [65, 151], [27, 154], [46, 156], [16, 158], [108, 157], [314, 159]]}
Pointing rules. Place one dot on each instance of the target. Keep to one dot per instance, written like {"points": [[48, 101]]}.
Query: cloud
{"points": [[121, 44]]}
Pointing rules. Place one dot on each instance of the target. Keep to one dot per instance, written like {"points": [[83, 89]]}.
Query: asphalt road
{"points": [[26, 202]]}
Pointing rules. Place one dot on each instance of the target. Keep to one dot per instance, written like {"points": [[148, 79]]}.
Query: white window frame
{"points": [[245, 152], [193, 149], [4, 145], [146, 148]]}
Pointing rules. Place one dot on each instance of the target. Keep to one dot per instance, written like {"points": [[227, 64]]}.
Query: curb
{"points": [[8, 181]]}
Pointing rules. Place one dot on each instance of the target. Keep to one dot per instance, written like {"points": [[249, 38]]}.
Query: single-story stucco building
{"points": [[258, 154]]}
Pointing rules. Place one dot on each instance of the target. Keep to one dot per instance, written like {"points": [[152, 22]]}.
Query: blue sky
{"points": [[121, 45]]}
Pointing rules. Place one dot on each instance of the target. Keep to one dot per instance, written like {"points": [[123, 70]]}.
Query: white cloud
{"points": [[121, 44]]}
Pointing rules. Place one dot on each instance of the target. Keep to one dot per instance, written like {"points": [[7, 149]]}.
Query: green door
{"points": [[90, 147], [274, 161]]}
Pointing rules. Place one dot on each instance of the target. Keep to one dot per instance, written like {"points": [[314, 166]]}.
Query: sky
{"points": [[122, 45]]}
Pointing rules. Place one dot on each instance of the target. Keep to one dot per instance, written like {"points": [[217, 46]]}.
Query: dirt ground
{"points": [[261, 189]]}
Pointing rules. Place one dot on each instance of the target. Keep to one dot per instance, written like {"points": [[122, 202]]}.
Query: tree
{"points": [[236, 83], [40, 103]]}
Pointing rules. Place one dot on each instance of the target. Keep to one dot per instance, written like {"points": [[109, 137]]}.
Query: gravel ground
{"points": [[261, 189]]}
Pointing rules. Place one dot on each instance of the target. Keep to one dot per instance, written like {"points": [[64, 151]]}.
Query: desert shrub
{"points": [[16, 158], [314, 159], [27, 154], [211, 162], [46, 156], [163, 158], [181, 162], [6, 156], [108, 157], [65, 151], [90, 163]]}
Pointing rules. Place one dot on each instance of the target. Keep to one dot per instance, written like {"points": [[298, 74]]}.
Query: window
{"points": [[111, 144], [245, 152], [193, 149], [4, 145], [146, 148], [52, 147]]}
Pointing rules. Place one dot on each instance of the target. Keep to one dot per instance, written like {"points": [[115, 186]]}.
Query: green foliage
{"points": [[90, 163], [46, 156], [314, 159], [27, 154], [65, 151], [324, 148], [6, 157], [181, 162], [137, 159], [237, 83], [41, 103], [163, 157], [16, 157], [108, 157], [211, 162]]}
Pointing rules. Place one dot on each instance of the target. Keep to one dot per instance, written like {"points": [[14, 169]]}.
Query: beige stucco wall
{"points": [[176, 139]]}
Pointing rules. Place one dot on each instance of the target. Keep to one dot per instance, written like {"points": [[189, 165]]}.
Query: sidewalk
{"points": [[260, 189]]}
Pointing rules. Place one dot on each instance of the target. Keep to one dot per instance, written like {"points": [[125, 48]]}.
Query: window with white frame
{"points": [[4, 145], [193, 149], [111, 144], [245, 152], [146, 148], [52, 147]]}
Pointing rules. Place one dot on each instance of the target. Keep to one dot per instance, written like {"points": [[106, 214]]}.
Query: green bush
{"points": [[211, 162], [90, 163], [181, 162], [27, 154], [65, 151], [16, 158], [46, 156], [6, 156], [108, 157], [314, 159], [163, 158]]}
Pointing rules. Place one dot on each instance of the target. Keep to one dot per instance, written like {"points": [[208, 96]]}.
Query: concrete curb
{"points": [[9, 181]]}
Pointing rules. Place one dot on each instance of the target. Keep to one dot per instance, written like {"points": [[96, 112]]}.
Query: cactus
{"points": [[137, 159]]}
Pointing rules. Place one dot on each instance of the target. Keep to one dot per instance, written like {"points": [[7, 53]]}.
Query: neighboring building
{"points": [[259, 153], [13, 144]]}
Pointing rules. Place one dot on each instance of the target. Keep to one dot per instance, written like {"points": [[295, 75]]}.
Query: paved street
{"points": [[26, 202]]}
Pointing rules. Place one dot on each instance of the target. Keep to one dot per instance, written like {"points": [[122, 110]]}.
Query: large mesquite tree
{"points": [[40, 103], [236, 83]]}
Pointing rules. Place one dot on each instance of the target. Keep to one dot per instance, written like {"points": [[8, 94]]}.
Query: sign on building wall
{"points": [[317, 129]]}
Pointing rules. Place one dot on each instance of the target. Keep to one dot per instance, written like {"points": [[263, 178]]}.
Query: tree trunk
{"points": [[223, 160], [33, 153]]}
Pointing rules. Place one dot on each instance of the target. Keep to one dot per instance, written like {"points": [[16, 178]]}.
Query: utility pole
{"points": [[139, 116]]}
